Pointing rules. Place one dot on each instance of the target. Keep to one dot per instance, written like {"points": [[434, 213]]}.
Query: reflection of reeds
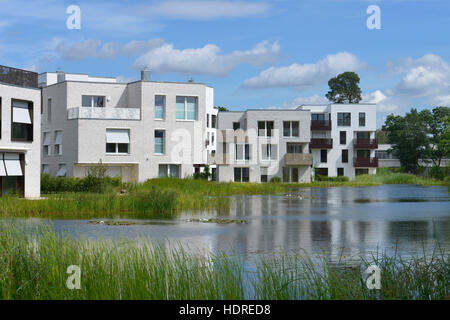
{"points": [[33, 265]]}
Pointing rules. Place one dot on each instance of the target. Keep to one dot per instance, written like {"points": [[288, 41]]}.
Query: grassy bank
{"points": [[34, 265], [165, 197]]}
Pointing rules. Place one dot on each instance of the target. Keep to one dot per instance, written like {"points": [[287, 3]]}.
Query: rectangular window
{"points": [[242, 151], [265, 128], [361, 171], [62, 170], [93, 101], [118, 141], [264, 178], [294, 148], [345, 156], [58, 143], [169, 171], [45, 168], [49, 110], [323, 155], [318, 116], [269, 151], [212, 138], [236, 125], [207, 120], [46, 141], [241, 174], [344, 119], [321, 172], [160, 107], [362, 119], [343, 137], [290, 174], [340, 172], [186, 108], [22, 120], [290, 129], [159, 141], [213, 121]]}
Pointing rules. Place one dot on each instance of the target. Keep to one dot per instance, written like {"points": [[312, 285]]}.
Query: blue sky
{"points": [[258, 54]]}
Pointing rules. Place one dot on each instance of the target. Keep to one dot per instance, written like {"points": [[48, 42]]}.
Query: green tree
{"points": [[439, 134], [222, 109], [380, 135], [409, 137], [344, 88]]}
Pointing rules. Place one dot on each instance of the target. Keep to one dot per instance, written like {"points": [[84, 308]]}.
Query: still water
{"points": [[326, 221]]}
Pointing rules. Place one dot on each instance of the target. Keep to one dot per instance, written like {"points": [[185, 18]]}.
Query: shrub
{"points": [[275, 180], [319, 177], [91, 183]]}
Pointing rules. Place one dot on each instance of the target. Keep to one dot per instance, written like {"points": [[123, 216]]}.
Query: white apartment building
{"points": [[138, 130], [257, 145], [343, 139], [20, 116]]}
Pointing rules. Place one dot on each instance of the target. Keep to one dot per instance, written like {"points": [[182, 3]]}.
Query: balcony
{"points": [[365, 143], [298, 159], [320, 125], [104, 113], [366, 162], [321, 144]]}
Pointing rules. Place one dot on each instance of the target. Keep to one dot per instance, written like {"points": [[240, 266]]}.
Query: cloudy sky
{"points": [[256, 54]]}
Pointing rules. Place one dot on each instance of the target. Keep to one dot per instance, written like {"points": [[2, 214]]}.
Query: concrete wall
{"points": [[31, 150]]}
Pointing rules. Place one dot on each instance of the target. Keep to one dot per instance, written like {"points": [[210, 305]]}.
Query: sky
{"points": [[256, 54]]}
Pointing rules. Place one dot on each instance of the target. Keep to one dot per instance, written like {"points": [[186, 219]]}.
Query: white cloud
{"points": [[305, 75], [132, 48], [78, 50], [208, 10], [384, 103], [206, 60], [426, 77], [314, 99]]}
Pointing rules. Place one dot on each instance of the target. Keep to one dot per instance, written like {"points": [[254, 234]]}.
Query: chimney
{"points": [[60, 75], [145, 74]]}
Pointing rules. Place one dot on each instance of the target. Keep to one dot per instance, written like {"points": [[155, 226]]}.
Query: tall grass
{"points": [[33, 266]]}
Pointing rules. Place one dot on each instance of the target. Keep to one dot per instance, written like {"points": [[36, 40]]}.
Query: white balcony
{"points": [[104, 113]]}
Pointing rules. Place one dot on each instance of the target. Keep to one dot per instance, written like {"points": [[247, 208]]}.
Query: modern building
{"points": [[387, 158], [257, 145], [138, 130], [343, 139], [20, 132]]}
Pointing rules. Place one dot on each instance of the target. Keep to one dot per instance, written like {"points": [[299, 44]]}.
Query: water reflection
{"points": [[335, 222]]}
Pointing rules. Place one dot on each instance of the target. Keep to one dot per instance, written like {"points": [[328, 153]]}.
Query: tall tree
{"points": [[409, 137], [439, 134], [344, 88]]}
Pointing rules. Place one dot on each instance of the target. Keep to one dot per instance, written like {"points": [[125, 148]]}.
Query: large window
{"points": [[362, 119], [46, 144], [290, 174], [340, 172], [294, 148], [93, 101], [344, 119], [265, 128], [22, 121], [236, 125], [62, 170], [58, 143], [159, 141], [186, 108], [269, 151], [213, 121], [242, 151], [49, 110], [160, 107], [290, 129], [241, 174], [118, 141], [169, 170]]}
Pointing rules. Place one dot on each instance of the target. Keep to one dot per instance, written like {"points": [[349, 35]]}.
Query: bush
{"points": [[91, 183], [275, 180], [319, 177]]}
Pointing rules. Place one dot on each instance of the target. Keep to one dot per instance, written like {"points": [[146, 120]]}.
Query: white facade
{"points": [[20, 140], [258, 145], [49, 78], [343, 139], [139, 130]]}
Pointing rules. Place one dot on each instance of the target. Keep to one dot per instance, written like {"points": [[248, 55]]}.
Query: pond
{"points": [[335, 222]]}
